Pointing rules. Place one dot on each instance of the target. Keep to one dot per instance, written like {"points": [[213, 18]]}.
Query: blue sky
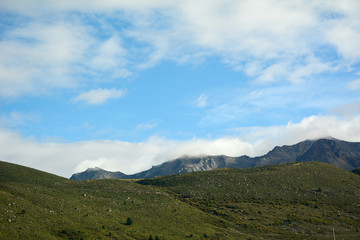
{"points": [[125, 85]]}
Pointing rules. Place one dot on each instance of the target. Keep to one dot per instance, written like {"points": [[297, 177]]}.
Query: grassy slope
{"points": [[292, 201], [43, 206]]}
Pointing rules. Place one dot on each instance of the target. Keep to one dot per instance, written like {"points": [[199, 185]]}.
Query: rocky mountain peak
{"points": [[345, 155]]}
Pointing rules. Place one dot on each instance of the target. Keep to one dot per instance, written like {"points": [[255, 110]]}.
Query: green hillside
{"points": [[295, 201], [292, 201], [43, 206]]}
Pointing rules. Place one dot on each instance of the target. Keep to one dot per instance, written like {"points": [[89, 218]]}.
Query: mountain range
{"points": [[342, 154]]}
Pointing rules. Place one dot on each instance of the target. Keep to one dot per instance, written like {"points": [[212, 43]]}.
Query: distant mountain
{"points": [[97, 173], [345, 155], [180, 165], [284, 154]]}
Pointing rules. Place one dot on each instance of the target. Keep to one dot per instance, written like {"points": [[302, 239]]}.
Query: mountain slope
{"points": [[190, 164], [97, 173], [345, 155], [284, 154]]}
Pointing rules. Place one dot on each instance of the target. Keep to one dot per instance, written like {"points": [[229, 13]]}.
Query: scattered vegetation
{"points": [[293, 201], [37, 205]]}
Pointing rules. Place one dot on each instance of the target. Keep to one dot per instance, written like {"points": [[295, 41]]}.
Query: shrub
{"points": [[128, 221]]}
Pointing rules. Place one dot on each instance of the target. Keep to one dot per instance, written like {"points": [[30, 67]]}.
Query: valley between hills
{"points": [[294, 200]]}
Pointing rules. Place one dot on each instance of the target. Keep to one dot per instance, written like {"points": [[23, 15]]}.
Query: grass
{"points": [[293, 201], [49, 207]]}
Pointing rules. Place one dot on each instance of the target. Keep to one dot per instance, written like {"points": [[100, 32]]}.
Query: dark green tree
{"points": [[128, 221], [151, 237]]}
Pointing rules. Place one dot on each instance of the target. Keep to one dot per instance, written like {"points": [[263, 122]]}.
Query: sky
{"points": [[125, 85]]}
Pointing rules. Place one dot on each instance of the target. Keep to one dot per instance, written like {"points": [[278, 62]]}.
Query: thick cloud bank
{"points": [[66, 158]]}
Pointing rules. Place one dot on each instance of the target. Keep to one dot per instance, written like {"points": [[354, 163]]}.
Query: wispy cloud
{"points": [[347, 110], [100, 96], [16, 118], [201, 101], [37, 57], [267, 39], [146, 126], [109, 56], [354, 85]]}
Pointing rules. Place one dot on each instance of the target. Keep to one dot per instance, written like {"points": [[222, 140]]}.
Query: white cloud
{"points": [[292, 71], [201, 101], [145, 126], [309, 128], [109, 55], [264, 38], [354, 85], [39, 56], [100, 96], [346, 39], [66, 158], [18, 118], [33, 7], [347, 110]]}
